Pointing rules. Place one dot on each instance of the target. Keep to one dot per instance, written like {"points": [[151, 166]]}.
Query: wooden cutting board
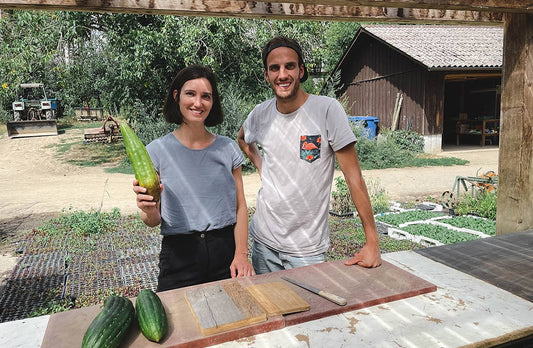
{"points": [[277, 298], [222, 307]]}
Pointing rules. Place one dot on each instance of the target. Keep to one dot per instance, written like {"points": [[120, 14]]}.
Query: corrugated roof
{"points": [[440, 47]]}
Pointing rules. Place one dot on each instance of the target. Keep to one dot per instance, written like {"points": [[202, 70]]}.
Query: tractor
{"points": [[34, 114]]}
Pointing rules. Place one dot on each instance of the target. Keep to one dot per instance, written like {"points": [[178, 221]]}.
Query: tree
{"points": [[125, 62]]}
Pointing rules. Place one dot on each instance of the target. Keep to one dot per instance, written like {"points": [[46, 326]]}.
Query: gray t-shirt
{"points": [[199, 191], [297, 172]]}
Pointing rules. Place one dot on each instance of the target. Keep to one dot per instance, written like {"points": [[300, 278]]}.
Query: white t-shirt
{"points": [[297, 172]]}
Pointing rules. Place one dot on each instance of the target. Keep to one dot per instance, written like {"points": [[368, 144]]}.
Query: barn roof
{"points": [[444, 47]]}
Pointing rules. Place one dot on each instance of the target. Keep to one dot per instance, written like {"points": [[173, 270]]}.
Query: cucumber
{"points": [[109, 327], [151, 315], [141, 162]]}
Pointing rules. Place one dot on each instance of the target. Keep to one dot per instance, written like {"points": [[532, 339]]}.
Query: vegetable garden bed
{"points": [[80, 258], [433, 228]]}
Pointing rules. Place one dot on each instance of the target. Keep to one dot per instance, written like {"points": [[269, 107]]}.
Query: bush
{"points": [[148, 122], [407, 140], [482, 204], [379, 199], [342, 203], [5, 116], [389, 150]]}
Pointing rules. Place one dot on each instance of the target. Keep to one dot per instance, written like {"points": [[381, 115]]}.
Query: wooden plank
{"points": [[277, 299], [272, 10], [223, 307], [396, 112], [515, 187], [512, 6]]}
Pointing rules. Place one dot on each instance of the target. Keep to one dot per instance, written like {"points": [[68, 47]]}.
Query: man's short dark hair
{"points": [[283, 41]]}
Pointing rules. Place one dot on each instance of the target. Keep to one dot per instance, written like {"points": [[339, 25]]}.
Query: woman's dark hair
{"points": [[171, 109]]}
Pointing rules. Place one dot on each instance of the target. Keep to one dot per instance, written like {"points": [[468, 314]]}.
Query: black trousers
{"points": [[190, 259]]}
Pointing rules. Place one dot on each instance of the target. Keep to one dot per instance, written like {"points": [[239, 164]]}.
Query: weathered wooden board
{"points": [[277, 298], [222, 307]]}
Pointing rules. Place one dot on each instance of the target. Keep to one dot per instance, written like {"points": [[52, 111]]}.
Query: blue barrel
{"points": [[370, 123]]}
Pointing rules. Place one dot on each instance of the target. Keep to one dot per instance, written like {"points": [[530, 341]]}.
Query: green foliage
{"points": [[342, 203], [395, 149], [483, 204], [80, 223], [439, 233], [115, 60], [379, 199], [347, 237], [53, 306], [5, 116], [473, 223], [395, 219], [29, 40], [236, 106], [338, 36], [407, 140], [147, 121]]}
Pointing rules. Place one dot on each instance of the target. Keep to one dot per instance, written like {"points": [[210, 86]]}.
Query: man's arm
{"points": [[250, 150], [370, 255]]}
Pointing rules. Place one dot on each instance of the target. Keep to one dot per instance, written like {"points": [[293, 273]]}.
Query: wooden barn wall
{"points": [[373, 74], [434, 102]]}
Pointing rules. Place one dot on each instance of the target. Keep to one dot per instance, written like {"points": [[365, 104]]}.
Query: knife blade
{"points": [[328, 296]]}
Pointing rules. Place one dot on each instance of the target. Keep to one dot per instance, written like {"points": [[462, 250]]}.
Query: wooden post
{"points": [[515, 182]]}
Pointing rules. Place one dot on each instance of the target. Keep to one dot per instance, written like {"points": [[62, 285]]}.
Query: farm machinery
{"points": [[34, 114], [479, 184], [108, 133]]}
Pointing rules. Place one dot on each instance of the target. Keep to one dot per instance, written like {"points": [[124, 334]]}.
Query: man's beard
{"points": [[292, 93]]}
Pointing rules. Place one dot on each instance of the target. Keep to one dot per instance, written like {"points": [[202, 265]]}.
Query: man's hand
{"points": [[368, 257]]}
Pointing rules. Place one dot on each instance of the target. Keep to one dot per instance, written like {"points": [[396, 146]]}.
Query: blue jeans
{"points": [[266, 260]]}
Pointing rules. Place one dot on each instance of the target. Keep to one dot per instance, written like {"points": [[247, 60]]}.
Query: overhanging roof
{"points": [[444, 47]]}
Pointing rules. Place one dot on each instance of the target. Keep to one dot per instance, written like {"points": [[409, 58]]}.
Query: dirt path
{"points": [[36, 184]]}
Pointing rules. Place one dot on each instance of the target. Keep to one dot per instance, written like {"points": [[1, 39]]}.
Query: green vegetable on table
{"points": [[109, 327], [151, 315]]}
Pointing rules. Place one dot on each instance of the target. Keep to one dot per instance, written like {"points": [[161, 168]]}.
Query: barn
{"points": [[442, 81]]}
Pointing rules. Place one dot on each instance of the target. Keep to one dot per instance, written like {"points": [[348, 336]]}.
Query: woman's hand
{"points": [[241, 266], [144, 201], [150, 213]]}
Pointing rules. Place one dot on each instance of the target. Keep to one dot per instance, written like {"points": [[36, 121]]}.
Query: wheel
{"points": [[447, 199], [16, 116], [48, 114], [33, 114]]}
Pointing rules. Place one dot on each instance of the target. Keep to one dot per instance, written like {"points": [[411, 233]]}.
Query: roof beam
{"points": [[516, 6], [299, 10]]}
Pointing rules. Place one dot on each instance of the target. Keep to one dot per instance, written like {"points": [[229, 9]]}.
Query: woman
{"points": [[202, 211]]}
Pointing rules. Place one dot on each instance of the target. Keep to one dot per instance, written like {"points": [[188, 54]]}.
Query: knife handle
{"points": [[333, 298]]}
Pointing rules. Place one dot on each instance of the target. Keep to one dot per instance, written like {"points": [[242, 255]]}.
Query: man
{"points": [[300, 136]]}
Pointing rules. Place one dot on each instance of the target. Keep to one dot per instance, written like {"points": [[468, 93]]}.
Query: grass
{"points": [[347, 237]]}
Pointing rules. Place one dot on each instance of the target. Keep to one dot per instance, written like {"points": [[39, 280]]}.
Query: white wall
{"points": [[433, 143]]}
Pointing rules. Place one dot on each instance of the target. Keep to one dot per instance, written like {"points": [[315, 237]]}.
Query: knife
{"points": [[329, 296]]}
